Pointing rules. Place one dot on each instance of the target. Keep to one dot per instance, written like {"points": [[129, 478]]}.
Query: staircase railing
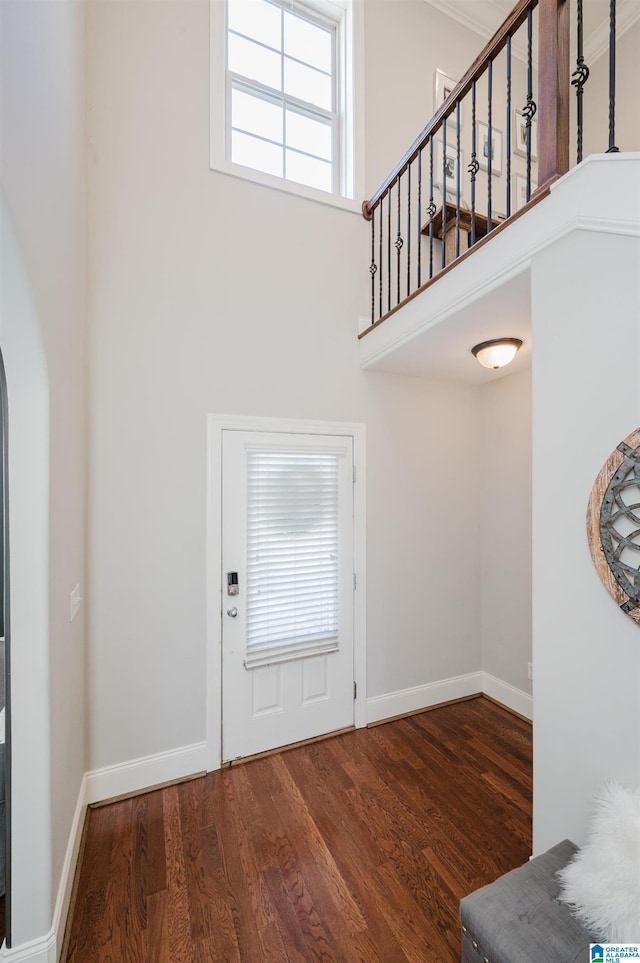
{"points": [[431, 211]]}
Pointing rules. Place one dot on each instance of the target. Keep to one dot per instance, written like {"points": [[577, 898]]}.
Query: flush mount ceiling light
{"points": [[496, 353]]}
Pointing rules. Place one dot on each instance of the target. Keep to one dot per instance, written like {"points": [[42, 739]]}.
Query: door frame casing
{"points": [[216, 424]]}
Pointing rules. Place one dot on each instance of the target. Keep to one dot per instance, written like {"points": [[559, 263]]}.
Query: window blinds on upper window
{"points": [[292, 553]]}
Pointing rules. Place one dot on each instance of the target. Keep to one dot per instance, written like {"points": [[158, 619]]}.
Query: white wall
{"points": [[209, 294], [43, 185], [404, 44], [505, 553], [596, 97], [586, 653]]}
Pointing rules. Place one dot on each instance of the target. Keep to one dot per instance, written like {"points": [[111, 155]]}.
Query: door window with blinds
{"points": [[292, 601]]}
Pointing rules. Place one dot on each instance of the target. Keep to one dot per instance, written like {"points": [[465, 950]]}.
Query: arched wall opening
{"points": [[28, 483]]}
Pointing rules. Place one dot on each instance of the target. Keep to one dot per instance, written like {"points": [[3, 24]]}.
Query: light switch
{"points": [[74, 603]]}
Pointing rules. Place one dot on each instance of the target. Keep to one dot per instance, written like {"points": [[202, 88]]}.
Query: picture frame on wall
{"points": [[482, 147], [520, 135], [443, 86], [451, 168], [521, 190]]}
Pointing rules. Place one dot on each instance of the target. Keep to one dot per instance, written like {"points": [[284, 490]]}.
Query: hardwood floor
{"points": [[357, 848]]}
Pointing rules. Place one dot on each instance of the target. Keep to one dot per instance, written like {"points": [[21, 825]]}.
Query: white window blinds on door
{"points": [[292, 553]]}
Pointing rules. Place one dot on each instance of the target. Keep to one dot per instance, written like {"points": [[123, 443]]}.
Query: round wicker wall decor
{"points": [[613, 525]]}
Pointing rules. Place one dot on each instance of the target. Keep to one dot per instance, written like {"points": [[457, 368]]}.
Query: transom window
{"points": [[282, 92]]}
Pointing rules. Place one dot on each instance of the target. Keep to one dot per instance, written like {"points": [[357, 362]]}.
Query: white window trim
{"points": [[351, 109], [216, 424]]}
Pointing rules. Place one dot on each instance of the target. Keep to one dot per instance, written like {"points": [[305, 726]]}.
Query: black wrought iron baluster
{"points": [[432, 207], [457, 178], [419, 242], [530, 107], [444, 191], [380, 258], [489, 138], [398, 243], [474, 166], [612, 149], [373, 267], [508, 126], [579, 78], [408, 230], [389, 247]]}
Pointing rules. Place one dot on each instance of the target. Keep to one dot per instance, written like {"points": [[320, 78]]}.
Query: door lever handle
{"points": [[232, 612]]}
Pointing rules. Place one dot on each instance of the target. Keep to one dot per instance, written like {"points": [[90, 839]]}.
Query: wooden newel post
{"points": [[553, 90]]}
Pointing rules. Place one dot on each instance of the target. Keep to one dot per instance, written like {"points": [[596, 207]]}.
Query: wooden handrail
{"points": [[515, 19]]}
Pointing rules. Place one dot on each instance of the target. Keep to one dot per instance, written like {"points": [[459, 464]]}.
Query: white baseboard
{"points": [[42, 950], [63, 898], [143, 773], [46, 948], [433, 693], [515, 699], [422, 696], [128, 777]]}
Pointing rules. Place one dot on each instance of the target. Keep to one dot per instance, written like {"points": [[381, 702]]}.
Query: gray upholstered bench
{"points": [[518, 919]]}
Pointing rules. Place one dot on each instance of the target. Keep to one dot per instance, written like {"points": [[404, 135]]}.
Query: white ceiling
{"points": [[443, 350]]}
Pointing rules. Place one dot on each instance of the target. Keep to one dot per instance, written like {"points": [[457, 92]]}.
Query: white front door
{"points": [[287, 568]]}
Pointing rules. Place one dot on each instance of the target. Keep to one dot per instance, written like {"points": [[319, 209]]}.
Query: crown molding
{"points": [[484, 17], [597, 43]]}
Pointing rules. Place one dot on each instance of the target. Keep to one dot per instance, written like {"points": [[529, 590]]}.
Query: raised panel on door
{"points": [[287, 559]]}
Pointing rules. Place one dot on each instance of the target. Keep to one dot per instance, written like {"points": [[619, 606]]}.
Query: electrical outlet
{"points": [[530, 670], [74, 603]]}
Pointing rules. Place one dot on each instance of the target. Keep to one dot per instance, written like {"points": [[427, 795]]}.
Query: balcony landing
{"points": [[488, 295]]}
